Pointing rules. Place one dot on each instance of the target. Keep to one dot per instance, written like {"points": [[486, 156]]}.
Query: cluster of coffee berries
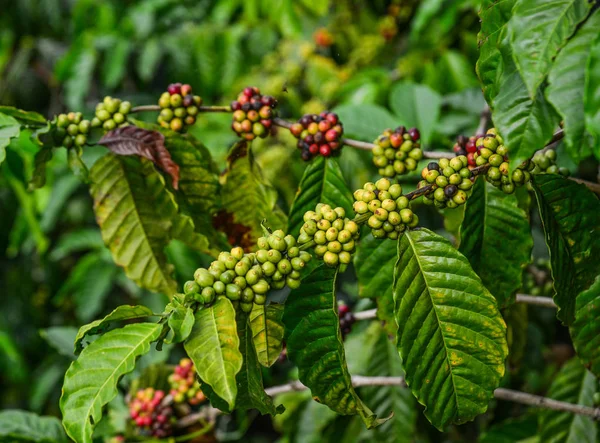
{"points": [[450, 181], [467, 147], [334, 235], [246, 278], [253, 114], [71, 129], [111, 113], [179, 107], [545, 163], [347, 319], [537, 279], [184, 386], [150, 415], [397, 152], [389, 210], [318, 134]]}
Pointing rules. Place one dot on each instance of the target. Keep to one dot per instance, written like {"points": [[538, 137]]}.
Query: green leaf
{"points": [[539, 29], [150, 56], [122, 313], [451, 336], [9, 128], [181, 322], [322, 182], [385, 362], [115, 62], [318, 351], [496, 238], [213, 346], [26, 118], [592, 95], [60, 338], [91, 381], [570, 215], [573, 384], [42, 157], [77, 241], [251, 393], [374, 262], [24, 426], [138, 217], [267, 332], [76, 163], [526, 123], [417, 106], [247, 199], [585, 330], [494, 16], [513, 430], [365, 121], [566, 85]]}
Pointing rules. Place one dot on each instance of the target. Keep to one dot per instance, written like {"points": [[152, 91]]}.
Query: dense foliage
{"points": [[395, 219]]}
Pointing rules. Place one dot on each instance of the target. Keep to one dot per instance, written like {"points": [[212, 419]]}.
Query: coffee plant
{"points": [[448, 308]]}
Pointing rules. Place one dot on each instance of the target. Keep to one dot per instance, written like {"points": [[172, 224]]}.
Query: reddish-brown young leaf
{"points": [[131, 140]]}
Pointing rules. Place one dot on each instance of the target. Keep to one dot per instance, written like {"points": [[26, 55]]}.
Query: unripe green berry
{"points": [[374, 222], [247, 296], [320, 238], [338, 224], [395, 191], [203, 278], [233, 292], [240, 282], [191, 287], [219, 287], [441, 181], [331, 259], [268, 269], [334, 246], [208, 295]]}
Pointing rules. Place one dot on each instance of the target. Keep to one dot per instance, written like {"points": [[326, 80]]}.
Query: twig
{"points": [[546, 302], [594, 187], [366, 315], [147, 108], [486, 115]]}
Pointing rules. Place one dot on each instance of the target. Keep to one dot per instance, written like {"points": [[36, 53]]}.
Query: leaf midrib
{"points": [[455, 392]]}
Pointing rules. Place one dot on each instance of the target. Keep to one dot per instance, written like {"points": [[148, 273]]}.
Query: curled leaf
{"points": [[131, 140]]}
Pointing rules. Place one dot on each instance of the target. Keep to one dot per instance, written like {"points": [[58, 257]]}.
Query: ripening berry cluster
{"points": [[347, 319], [450, 180], [318, 134], [111, 113], [253, 114], [71, 129], [246, 278], [334, 235], [467, 147], [184, 386], [397, 152], [491, 151], [179, 107], [390, 212], [545, 163], [149, 415]]}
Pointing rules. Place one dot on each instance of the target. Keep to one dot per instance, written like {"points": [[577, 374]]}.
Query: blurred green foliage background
{"points": [[377, 63]]}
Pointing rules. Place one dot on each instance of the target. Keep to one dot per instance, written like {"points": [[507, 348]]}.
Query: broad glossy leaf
{"points": [[122, 313], [573, 384], [91, 381], [494, 16], [570, 215], [138, 217], [512, 430], [247, 199], [267, 332], [525, 122], [451, 336], [322, 182], [539, 29], [517, 321], [26, 118], [385, 362], [592, 95], [314, 344], [566, 85], [416, 106], [251, 393], [24, 426], [9, 128], [213, 346], [585, 330], [374, 263], [496, 238]]}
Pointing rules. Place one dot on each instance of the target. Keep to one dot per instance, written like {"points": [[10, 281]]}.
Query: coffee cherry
{"points": [[179, 107], [149, 416], [184, 386], [70, 129], [253, 114], [447, 178], [111, 113], [397, 152], [346, 319], [545, 163], [318, 134]]}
